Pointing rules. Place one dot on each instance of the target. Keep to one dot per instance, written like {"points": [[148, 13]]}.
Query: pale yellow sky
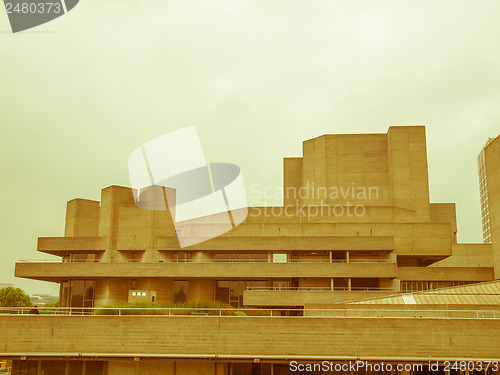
{"points": [[77, 95]]}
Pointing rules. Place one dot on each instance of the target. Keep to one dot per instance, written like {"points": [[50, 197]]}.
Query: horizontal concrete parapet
{"points": [[446, 273], [285, 243], [305, 297], [59, 245], [57, 271], [250, 337]]}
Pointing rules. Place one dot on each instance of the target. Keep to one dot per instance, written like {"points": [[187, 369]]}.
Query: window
{"points": [[75, 367], [180, 290], [24, 367], [279, 258], [53, 368], [93, 368], [281, 284], [181, 257], [78, 257], [80, 293], [240, 257], [231, 291]]}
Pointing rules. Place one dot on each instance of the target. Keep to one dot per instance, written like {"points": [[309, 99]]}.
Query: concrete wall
{"points": [[250, 337], [446, 273], [468, 255], [305, 297], [408, 177]]}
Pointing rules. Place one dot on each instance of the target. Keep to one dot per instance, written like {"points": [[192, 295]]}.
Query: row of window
{"points": [[30, 367], [416, 286]]}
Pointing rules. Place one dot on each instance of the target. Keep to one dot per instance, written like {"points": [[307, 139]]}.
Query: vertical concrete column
{"points": [[82, 218], [161, 285], [160, 223], [108, 221], [201, 289], [111, 291], [349, 284], [408, 175], [292, 181]]}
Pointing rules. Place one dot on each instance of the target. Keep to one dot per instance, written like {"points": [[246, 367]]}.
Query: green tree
{"points": [[14, 297]]}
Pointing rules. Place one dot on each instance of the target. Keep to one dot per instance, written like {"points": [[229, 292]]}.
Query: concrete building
{"points": [[483, 193], [356, 224]]}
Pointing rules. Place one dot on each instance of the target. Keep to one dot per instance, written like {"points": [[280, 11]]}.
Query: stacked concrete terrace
{"points": [[356, 223]]}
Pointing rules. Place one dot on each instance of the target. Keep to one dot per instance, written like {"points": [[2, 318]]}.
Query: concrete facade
{"points": [[356, 223], [356, 217]]}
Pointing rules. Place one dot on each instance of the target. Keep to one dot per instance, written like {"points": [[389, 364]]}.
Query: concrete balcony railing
{"points": [[476, 274], [56, 271], [393, 311], [307, 296], [187, 260], [285, 243]]}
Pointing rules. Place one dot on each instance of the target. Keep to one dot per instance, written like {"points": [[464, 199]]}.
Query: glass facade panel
{"points": [[75, 367], [240, 257], [180, 291], [93, 368], [281, 284], [279, 258], [231, 291], [24, 367], [181, 257], [53, 368], [77, 291], [241, 369]]}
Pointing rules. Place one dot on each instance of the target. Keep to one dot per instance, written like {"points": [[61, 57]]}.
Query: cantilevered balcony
{"points": [[56, 271], [64, 245]]}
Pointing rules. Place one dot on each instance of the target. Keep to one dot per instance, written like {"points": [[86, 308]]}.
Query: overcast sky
{"points": [[257, 78]]}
